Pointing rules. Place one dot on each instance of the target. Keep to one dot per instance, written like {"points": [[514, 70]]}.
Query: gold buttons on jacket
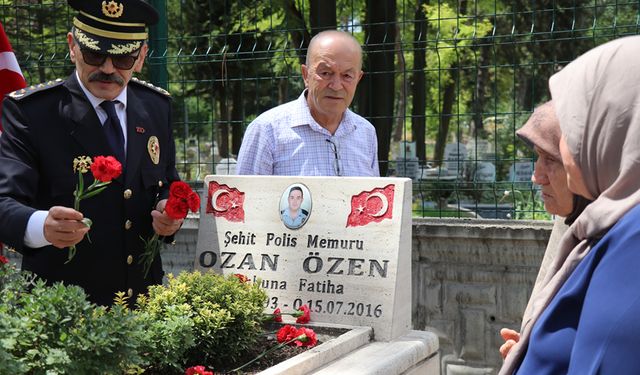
{"points": [[128, 224], [130, 292], [127, 194], [160, 183], [129, 259]]}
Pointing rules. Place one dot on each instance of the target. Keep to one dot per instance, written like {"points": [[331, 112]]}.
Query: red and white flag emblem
{"points": [[11, 78], [371, 206], [225, 202]]}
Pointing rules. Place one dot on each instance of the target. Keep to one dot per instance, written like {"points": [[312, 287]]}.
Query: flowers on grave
{"points": [[3, 260], [287, 335], [198, 370], [302, 315], [241, 277], [104, 170], [182, 199]]}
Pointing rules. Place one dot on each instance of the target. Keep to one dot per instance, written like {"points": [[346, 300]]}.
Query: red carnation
{"points": [[306, 337], [198, 370], [241, 277], [277, 315], [176, 208], [305, 317], [287, 333], [3, 260], [180, 189], [106, 168], [194, 201]]}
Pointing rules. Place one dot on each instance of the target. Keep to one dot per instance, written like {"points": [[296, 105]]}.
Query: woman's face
{"points": [[550, 175], [575, 180]]}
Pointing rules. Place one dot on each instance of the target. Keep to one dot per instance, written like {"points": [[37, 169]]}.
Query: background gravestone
{"points": [[350, 260]]}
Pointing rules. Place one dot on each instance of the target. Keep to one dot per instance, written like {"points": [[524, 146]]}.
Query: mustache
{"points": [[100, 76]]}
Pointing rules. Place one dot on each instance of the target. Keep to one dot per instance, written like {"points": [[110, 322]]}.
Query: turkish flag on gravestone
{"points": [[224, 201], [371, 206], [11, 78]]}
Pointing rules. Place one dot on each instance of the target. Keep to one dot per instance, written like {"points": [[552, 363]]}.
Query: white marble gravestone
{"points": [[485, 172], [348, 258], [455, 155], [521, 171]]}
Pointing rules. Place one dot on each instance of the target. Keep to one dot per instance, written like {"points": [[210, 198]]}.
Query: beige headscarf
{"points": [[597, 100]]}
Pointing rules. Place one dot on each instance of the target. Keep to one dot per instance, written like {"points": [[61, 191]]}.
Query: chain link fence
{"points": [[446, 83]]}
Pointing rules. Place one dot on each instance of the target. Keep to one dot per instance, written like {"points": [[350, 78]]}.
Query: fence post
{"points": [[158, 46]]}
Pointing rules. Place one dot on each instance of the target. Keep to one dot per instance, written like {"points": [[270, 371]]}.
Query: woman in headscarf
{"points": [[585, 319], [542, 133]]}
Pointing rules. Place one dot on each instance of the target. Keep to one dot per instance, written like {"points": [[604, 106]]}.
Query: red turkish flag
{"points": [[371, 206], [224, 201], [11, 78]]}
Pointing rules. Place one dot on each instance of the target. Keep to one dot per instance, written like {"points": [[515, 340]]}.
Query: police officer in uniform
{"points": [[98, 110]]}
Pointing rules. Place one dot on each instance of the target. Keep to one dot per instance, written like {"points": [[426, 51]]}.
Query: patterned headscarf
{"points": [[597, 101]]}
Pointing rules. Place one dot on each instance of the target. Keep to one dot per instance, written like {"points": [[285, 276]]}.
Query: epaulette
{"points": [[149, 85], [23, 93]]}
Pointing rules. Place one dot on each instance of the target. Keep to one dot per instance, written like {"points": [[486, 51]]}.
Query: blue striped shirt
{"points": [[287, 141]]}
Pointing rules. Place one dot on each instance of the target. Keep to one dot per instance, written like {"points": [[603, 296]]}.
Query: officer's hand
{"points": [[162, 223], [510, 337], [63, 227]]}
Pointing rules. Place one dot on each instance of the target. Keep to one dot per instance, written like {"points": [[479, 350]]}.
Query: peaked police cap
{"points": [[114, 27]]}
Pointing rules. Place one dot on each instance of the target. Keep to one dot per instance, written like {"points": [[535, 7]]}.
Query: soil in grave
{"points": [[324, 334]]}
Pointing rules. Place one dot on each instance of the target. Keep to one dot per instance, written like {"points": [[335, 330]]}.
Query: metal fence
{"points": [[447, 83]]}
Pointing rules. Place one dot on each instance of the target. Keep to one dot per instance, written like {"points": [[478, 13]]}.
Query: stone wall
{"points": [[470, 278]]}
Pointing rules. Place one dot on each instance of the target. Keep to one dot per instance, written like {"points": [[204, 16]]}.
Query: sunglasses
{"points": [[124, 62]]}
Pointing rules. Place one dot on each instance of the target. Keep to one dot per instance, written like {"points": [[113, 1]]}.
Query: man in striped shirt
{"points": [[316, 134]]}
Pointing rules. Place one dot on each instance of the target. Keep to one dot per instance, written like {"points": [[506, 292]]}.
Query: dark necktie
{"points": [[113, 130]]}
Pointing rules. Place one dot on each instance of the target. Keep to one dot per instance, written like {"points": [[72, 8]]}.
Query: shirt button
{"points": [[127, 194], [160, 183], [129, 259], [130, 292], [128, 224]]}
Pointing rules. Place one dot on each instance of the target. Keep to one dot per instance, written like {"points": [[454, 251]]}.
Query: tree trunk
{"points": [[445, 115], [223, 123], [398, 130], [236, 118], [380, 36], [419, 96], [298, 30], [482, 82], [322, 15]]}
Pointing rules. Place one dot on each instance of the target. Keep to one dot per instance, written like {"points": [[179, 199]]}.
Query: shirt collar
{"points": [[95, 101], [302, 116]]}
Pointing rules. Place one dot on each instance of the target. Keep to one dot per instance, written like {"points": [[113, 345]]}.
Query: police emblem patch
{"points": [[153, 146]]}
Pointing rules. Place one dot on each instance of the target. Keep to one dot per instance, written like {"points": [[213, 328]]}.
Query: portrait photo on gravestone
{"points": [[349, 261], [295, 206]]}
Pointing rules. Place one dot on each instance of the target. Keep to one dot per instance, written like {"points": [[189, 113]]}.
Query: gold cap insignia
{"points": [[153, 146], [112, 9]]}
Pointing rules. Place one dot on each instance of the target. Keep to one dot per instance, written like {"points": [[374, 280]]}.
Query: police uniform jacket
{"points": [[45, 128]]}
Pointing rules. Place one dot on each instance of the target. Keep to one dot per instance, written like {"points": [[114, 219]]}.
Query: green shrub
{"points": [[55, 330], [197, 319], [225, 315]]}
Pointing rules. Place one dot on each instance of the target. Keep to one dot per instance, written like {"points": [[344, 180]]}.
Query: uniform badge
{"points": [[112, 9], [153, 146]]}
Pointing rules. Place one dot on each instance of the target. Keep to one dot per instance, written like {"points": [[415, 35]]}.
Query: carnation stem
{"points": [[279, 346], [151, 250]]}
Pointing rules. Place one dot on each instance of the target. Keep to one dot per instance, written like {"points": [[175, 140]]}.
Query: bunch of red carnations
{"points": [[182, 199]]}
